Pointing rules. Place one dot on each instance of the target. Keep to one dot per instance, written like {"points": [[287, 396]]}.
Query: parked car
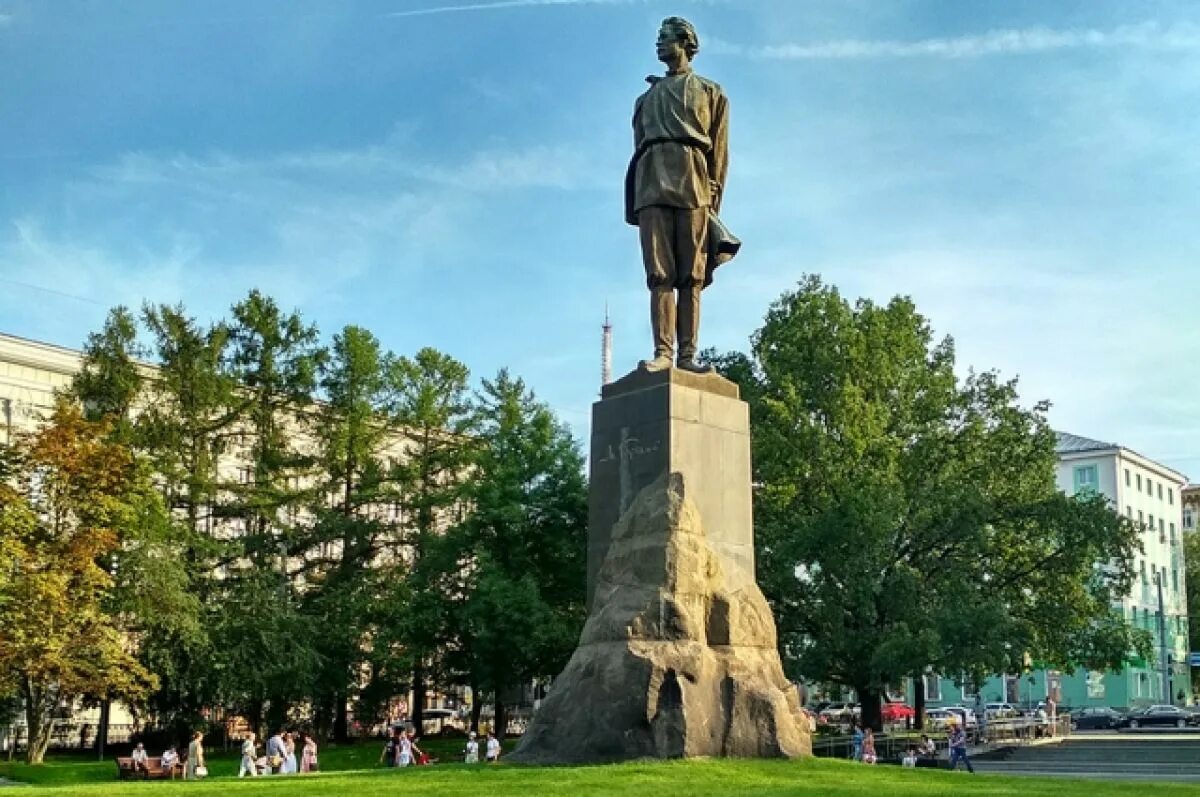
{"points": [[896, 712], [1094, 718], [999, 711], [1159, 716], [939, 719], [840, 712], [965, 715]]}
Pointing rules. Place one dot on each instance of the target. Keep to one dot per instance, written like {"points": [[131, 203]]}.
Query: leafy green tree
{"points": [[1191, 564], [522, 588], [72, 496], [907, 519]]}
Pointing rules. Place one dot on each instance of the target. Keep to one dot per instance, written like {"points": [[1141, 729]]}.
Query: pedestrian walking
{"points": [[248, 766], [308, 758], [493, 749], [958, 747], [856, 743], [194, 767]]}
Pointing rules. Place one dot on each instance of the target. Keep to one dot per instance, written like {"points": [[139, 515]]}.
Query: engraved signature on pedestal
{"points": [[627, 450]]}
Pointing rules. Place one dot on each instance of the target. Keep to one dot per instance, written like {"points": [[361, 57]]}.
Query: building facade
{"points": [[1153, 496]]}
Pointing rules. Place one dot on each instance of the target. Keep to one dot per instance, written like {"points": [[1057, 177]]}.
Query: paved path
{"points": [[1174, 757]]}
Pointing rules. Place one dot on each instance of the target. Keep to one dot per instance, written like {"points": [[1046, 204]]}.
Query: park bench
{"points": [[154, 768]]}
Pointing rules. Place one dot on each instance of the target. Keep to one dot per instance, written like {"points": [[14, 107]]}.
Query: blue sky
{"points": [[449, 174]]}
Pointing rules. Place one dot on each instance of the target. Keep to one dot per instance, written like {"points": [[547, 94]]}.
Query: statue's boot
{"points": [[688, 327], [662, 323]]}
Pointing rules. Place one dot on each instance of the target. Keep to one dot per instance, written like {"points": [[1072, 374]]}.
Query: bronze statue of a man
{"points": [[673, 191]]}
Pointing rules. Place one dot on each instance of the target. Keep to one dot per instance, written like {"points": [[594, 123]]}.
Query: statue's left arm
{"points": [[718, 155]]}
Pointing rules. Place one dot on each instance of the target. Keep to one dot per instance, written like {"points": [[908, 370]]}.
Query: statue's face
{"points": [[670, 46]]}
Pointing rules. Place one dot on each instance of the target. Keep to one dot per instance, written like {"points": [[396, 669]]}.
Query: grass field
{"points": [[706, 778]]}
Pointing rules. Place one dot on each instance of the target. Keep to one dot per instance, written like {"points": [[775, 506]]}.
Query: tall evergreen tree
{"points": [[432, 408], [523, 586]]}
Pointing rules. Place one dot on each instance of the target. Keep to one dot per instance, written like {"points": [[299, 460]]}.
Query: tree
{"points": [[432, 406], [110, 380], [354, 429], [523, 543], [71, 496], [1191, 564], [906, 519]]}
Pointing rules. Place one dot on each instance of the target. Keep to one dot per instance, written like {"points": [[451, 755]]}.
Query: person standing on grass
{"points": [[493, 748], [248, 767], [194, 766], [868, 747], [472, 751], [856, 743], [958, 747], [404, 754], [308, 758]]}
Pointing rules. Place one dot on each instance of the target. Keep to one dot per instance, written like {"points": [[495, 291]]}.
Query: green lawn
{"points": [[691, 778]]}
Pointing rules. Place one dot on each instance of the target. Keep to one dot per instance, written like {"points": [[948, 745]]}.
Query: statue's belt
{"points": [[687, 142]]}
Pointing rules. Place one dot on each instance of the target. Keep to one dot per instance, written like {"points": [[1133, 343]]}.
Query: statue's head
{"points": [[677, 40]]}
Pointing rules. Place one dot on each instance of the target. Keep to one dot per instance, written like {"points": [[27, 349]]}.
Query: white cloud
{"points": [[1012, 41]]}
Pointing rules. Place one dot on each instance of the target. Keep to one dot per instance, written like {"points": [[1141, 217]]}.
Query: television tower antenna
{"points": [[606, 349]]}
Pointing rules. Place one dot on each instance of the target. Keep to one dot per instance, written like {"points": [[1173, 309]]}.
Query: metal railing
{"points": [[993, 734]]}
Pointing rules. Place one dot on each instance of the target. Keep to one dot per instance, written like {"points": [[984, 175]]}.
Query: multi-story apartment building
{"points": [[1152, 495]]}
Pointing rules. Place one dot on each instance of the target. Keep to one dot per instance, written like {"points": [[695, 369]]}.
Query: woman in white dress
{"points": [[472, 751], [289, 766], [404, 756]]}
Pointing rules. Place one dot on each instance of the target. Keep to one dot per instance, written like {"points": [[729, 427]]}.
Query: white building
{"points": [[1151, 495]]}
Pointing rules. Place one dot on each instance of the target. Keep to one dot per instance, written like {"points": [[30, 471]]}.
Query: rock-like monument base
{"points": [[678, 656]]}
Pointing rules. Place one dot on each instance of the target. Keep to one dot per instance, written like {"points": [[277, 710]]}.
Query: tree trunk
{"points": [[872, 716], [499, 720], [919, 702], [102, 731], [416, 712], [341, 720], [476, 707], [39, 722]]}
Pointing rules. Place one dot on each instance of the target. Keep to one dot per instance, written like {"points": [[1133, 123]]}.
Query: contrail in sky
{"points": [[499, 4], [1014, 41]]}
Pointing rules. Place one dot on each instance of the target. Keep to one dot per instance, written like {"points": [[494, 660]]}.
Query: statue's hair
{"points": [[685, 32]]}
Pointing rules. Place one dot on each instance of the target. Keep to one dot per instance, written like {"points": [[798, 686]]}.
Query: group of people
{"points": [[862, 748], [491, 750], [192, 766], [280, 756], [401, 749]]}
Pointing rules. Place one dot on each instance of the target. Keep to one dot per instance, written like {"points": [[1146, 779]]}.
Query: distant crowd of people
{"points": [[280, 756], [924, 754], [402, 750]]}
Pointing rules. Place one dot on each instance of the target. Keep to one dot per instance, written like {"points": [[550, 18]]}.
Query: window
{"points": [[1175, 580], [1086, 479], [933, 687], [1149, 486], [1162, 525], [1127, 477], [1129, 511], [1141, 518], [1172, 533], [1142, 570], [1189, 518], [1152, 522], [1139, 482], [1160, 491], [1170, 496]]}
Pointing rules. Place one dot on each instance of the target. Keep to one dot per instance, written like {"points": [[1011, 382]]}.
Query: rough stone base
{"points": [[674, 661]]}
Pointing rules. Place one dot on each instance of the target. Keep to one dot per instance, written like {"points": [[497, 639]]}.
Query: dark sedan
{"points": [[1158, 716], [1095, 718]]}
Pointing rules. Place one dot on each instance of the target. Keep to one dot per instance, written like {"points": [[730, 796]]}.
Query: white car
{"points": [[1000, 711]]}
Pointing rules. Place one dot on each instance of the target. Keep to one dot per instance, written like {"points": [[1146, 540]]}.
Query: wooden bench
{"points": [[154, 768]]}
